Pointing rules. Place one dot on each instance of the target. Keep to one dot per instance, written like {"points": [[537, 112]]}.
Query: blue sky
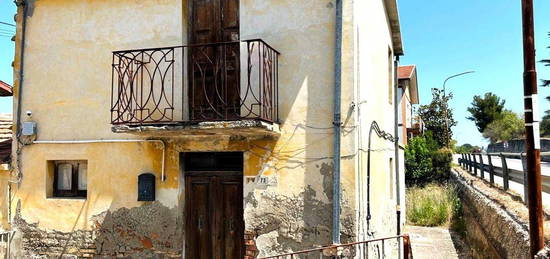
{"points": [[447, 37], [442, 38], [7, 10]]}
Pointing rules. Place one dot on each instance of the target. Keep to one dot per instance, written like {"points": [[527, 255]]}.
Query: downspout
{"points": [[396, 134], [337, 124]]}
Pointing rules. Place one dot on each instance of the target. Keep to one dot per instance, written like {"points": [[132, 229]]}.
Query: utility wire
{"points": [[5, 23]]}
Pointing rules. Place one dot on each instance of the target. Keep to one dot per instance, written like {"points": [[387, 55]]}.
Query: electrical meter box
{"points": [[28, 128]]}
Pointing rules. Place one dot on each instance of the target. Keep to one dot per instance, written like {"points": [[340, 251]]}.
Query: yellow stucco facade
{"points": [[67, 87]]}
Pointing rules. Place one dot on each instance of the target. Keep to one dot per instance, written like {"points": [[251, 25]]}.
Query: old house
{"points": [[204, 128], [410, 125]]}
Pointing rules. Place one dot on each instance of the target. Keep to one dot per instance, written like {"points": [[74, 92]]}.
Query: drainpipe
{"points": [[337, 124], [396, 134]]}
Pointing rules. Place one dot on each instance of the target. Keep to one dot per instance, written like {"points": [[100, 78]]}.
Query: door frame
{"points": [[188, 198]]}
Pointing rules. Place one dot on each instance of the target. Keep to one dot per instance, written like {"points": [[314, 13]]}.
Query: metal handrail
{"points": [[198, 45], [334, 250]]}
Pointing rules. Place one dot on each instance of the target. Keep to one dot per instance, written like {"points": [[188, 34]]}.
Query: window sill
{"points": [[67, 198]]}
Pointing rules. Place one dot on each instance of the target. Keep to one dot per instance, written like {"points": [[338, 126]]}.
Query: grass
{"points": [[433, 205]]}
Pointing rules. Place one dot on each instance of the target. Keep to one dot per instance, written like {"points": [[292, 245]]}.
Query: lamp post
{"points": [[446, 106]]}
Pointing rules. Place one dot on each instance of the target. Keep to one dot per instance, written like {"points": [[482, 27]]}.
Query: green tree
{"points": [[466, 148], [418, 159], [546, 82], [485, 110], [545, 123], [425, 161], [509, 126], [434, 116]]}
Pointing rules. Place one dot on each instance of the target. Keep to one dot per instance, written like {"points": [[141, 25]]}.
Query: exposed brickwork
{"points": [[250, 245], [149, 231], [54, 243]]}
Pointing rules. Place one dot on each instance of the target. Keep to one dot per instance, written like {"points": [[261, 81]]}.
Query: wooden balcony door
{"points": [[214, 69]]}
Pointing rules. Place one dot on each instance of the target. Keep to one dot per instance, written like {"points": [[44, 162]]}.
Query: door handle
{"points": [[200, 223], [231, 225]]}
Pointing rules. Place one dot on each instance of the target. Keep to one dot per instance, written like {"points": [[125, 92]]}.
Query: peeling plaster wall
{"points": [[69, 94]]}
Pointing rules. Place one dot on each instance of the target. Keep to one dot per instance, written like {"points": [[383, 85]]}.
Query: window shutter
{"points": [[64, 176], [82, 176]]}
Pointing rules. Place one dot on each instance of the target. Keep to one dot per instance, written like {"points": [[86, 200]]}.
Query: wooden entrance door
{"points": [[214, 66], [214, 215]]}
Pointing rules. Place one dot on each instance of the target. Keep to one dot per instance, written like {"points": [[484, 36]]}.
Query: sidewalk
{"points": [[431, 243]]}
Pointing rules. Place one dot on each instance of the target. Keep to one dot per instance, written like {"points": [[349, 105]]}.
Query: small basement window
{"points": [[67, 178]]}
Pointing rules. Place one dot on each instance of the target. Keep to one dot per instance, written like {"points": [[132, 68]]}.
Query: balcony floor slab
{"points": [[244, 128]]}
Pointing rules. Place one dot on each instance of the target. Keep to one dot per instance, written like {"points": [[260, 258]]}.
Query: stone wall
{"points": [[492, 230]]}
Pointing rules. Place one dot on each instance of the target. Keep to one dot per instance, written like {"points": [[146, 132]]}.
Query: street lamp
{"points": [[446, 106]]}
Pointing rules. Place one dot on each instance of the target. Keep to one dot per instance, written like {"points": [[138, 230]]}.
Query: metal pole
{"points": [[532, 135], [447, 130]]}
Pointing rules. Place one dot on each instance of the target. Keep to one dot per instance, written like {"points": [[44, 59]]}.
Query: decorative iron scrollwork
{"points": [[205, 82]]}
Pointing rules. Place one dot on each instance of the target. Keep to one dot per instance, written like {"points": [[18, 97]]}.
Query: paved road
{"points": [[515, 164]]}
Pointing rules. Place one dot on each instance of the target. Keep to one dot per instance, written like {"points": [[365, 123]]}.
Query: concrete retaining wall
{"points": [[491, 230]]}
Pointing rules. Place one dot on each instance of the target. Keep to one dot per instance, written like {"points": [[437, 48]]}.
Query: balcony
{"points": [[204, 88]]}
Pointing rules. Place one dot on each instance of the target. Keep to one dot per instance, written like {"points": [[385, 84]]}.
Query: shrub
{"points": [[425, 161], [441, 162], [433, 205], [418, 159]]}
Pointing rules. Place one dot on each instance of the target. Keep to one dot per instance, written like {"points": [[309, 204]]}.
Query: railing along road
{"points": [[478, 166]]}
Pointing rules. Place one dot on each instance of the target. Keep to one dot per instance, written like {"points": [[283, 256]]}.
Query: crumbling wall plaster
{"points": [[285, 223], [149, 231]]}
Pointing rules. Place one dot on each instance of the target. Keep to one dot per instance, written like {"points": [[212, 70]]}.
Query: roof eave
{"points": [[5, 89], [415, 98], [393, 15]]}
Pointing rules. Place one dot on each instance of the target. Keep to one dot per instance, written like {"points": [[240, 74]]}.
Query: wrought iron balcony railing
{"points": [[195, 83]]}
